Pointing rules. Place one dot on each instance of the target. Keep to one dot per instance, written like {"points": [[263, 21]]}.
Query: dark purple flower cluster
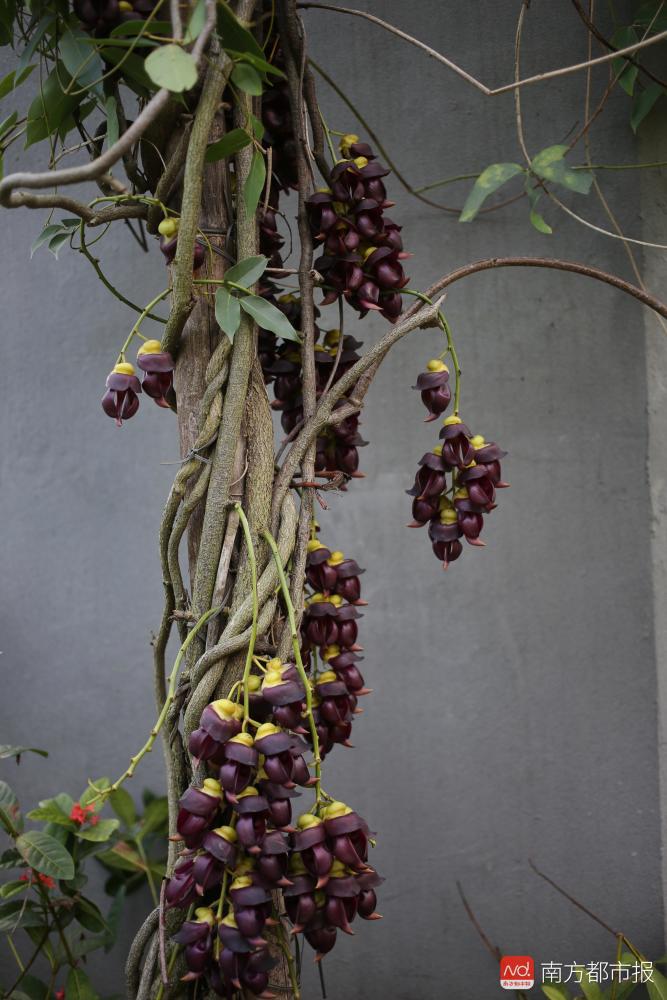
{"points": [[279, 136], [240, 847], [337, 449], [121, 400], [330, 627], [362, 248], [101, 16], [454, 509]]}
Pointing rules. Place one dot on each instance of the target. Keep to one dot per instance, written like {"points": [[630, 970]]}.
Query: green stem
{"points": [[149, 874], [135, 329], [451, 349], [12, 948], [287, 952], [103, 278], [171, 693], [255, 611], [299, 663]]}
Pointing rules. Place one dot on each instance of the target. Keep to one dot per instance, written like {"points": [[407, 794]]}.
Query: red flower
{"points": [[33, 877], [59, 995], [84, 814]]}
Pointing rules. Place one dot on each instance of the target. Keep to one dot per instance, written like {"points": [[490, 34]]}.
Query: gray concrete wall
{"points": [[514, 706]]}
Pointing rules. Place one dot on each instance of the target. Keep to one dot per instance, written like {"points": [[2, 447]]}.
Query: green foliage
{"points": [[227, 312], [172, 67], [549, 165], [230, 144], [8, 751], [255, 181], [488, 181], [43, 893]]}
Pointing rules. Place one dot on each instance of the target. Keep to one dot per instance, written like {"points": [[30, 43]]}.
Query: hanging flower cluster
{"points": [[240, 846], [329, 629], [99, 17], [453, 508], [121, 400], [337, 447], [362, 248]]}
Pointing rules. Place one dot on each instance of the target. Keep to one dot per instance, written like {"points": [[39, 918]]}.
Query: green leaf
{"points": [[247, 272], [13, 888], [254, 185], [100, 832], [7, 124], [10, 813], [43, 25], [9, 859], [79, 986], [156, 817], [51, 106], [269, 317], [122, 857], [257, 127], [259, 62], [535, 218], [488, 181], [643, 104], [556, 992], [88, 915], [590, 989], [621, 38], [13, 80], [230, 143], [133, 69], [31, 988], [113, 128], [114, 916], [196, 22], [234, 36], [7, 17], [550, 166], [8, 751], [18, 913], [49, 811], [247, 79], [657, 986], [122, 804], [45, 854], [58, 241], [46, 234], [227, 312], [81, 60], [132, 29], [172, 67]]}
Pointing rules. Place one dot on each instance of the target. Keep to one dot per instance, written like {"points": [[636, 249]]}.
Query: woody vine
{"points": [[227, 140]]}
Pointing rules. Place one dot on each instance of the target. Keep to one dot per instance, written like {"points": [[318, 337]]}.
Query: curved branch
{"points": [[11, 198], [595, 31], [357, 380], [555, 264], [473, 81]]}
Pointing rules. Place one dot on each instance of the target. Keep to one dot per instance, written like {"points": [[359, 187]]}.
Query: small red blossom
{"points": [[34, 877], [59, 995], [83, 814]]}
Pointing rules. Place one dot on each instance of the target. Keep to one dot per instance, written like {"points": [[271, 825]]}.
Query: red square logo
{"points": [[517, 972]]}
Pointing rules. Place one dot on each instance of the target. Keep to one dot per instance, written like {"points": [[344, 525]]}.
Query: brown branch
{"points": [[487, 91], [11, 198], [573, 899], [493, 949], [555, 264], [594, 30]]}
